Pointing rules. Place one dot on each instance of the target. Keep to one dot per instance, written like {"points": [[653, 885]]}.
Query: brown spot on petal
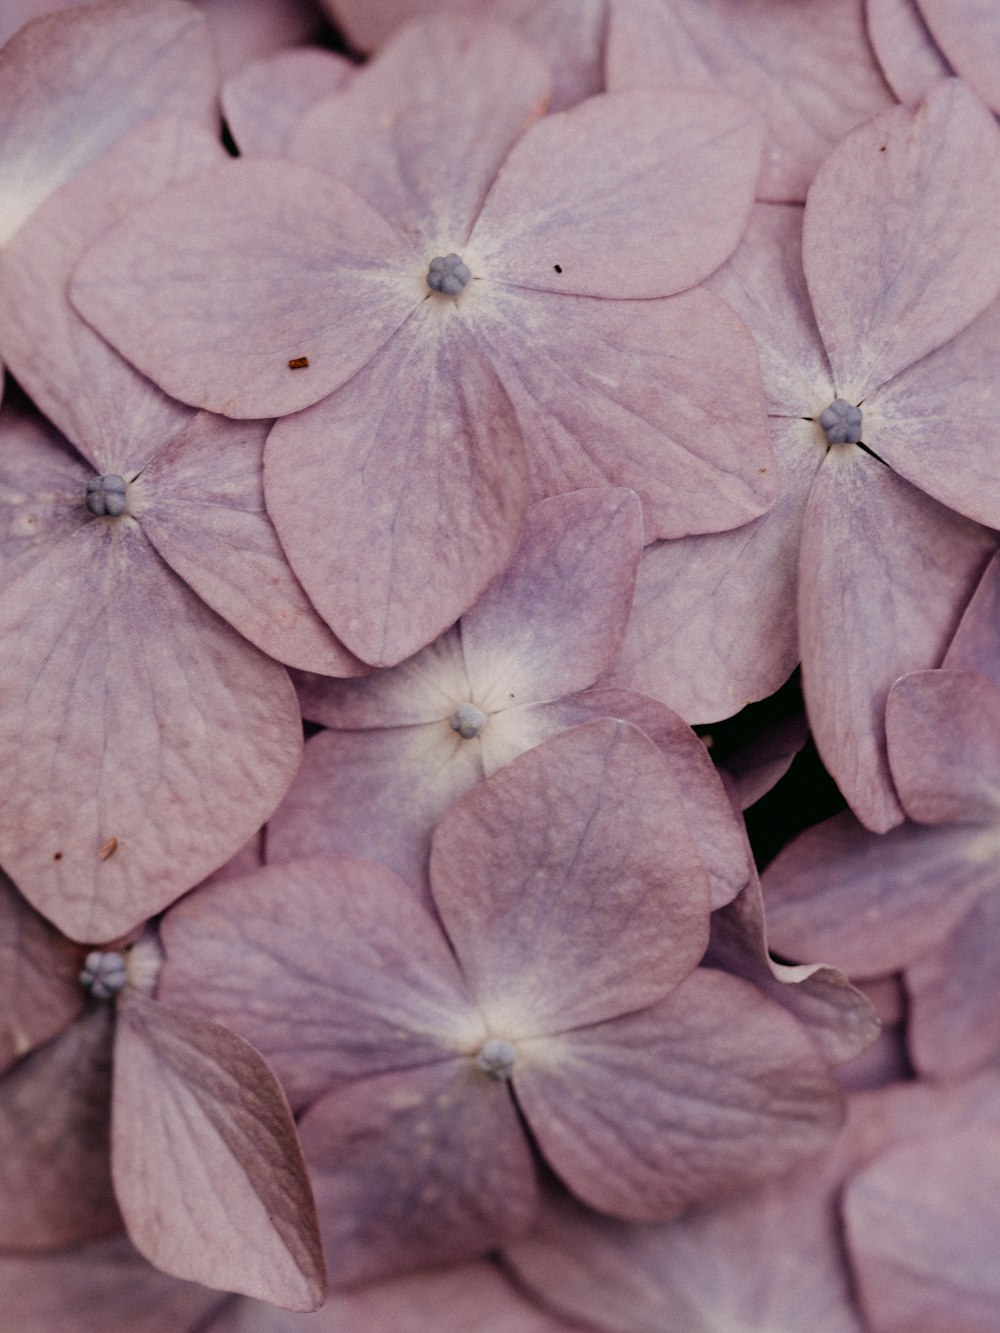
{"points": [[57, 856], [298, 363], [109, 849]]}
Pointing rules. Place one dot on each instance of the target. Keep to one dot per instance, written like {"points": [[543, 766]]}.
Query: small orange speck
{"points": [[109, 849], [761, 471], [708, 741], [298, 363]]}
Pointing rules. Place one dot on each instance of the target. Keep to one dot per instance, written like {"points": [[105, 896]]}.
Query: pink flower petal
{"points": [[974, 646], [554, 222], [267, 98], [916, 257], [711, 1090], [578, 841], [966, 32], [206, 1162], [910, 58], [420, 1167], [424, 490]]}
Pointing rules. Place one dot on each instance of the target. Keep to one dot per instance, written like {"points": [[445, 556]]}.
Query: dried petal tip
{"points": [[447, 274], [106, 496], [496, 1058], [104, 974], [842, 422], [468, 721]]}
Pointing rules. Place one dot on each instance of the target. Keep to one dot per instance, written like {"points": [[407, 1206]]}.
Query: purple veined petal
{"points": [[711, 1090], [423, 130], [663, 397], [555, 223], [885, 574], [103, 1286], [954, 993], [202, 508], [113, 415], [872, 903], [552, 621], [40, 993], [214, 286], [966, 32], [144, 739], [54, 1141], [917, 255], [910, 58], [808, 70], [921, 1223], [266, 99], [422, 492], [418, 1167], [713, 625], [332, 968], [375, 793], [206, 1163], [943, 730], [579, 841], [934, 422], [70, 90]]}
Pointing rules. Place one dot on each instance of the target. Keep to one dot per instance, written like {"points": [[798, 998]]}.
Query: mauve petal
{"points": [[576, 842], [423, 130], [206, 1163], [871, 904], [552, 621], [420, 1167], [100, 1288], [331, 967], [212, 287], [55, 1164], [571, 208], [922, 1222], [975, 646], [422, 491], [145, 740], [711, 1090], [70, 90], [114, 416], [663, 397], [40, 993], [247, 29], [203, 511], [916, 256], [707, 633], [954, 991], [909, 56], [376, 794], [807, 68], [42, 481], [884, 576], [966, 31], [265, 101], [943, 729]]}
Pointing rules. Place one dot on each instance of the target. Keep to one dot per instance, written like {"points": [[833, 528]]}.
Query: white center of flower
{"points": [[841, 422], [496, 1058], [468, 721], [447, 274]]}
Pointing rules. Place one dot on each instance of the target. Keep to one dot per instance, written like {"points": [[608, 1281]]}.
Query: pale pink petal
{"points": [[943, 730], [554, 223], [910, 58], [423, 130], [266, 99], [966, 31], [55, 1163], [247, 29], [206, 1163], [346, 972], [40, 993], [212, 287], [711, 1090], [420, 1167], [808, 69], [885, 574], [975, 646], [202, 508], [395, 508], [663, 397], [70, 90], [916, 256], [552, 621], [577, 841]]}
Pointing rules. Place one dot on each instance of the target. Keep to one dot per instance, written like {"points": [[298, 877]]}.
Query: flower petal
{"points": [[910, 58], [267, 98]]}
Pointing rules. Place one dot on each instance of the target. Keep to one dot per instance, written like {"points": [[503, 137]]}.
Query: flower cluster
{"points": [[408, 438]]}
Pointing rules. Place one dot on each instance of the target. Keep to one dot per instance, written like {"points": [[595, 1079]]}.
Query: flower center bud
{"points": [[106, 496], [447, 274], [104, 973], [842, 422], [496, 1058], [468, 721]]}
